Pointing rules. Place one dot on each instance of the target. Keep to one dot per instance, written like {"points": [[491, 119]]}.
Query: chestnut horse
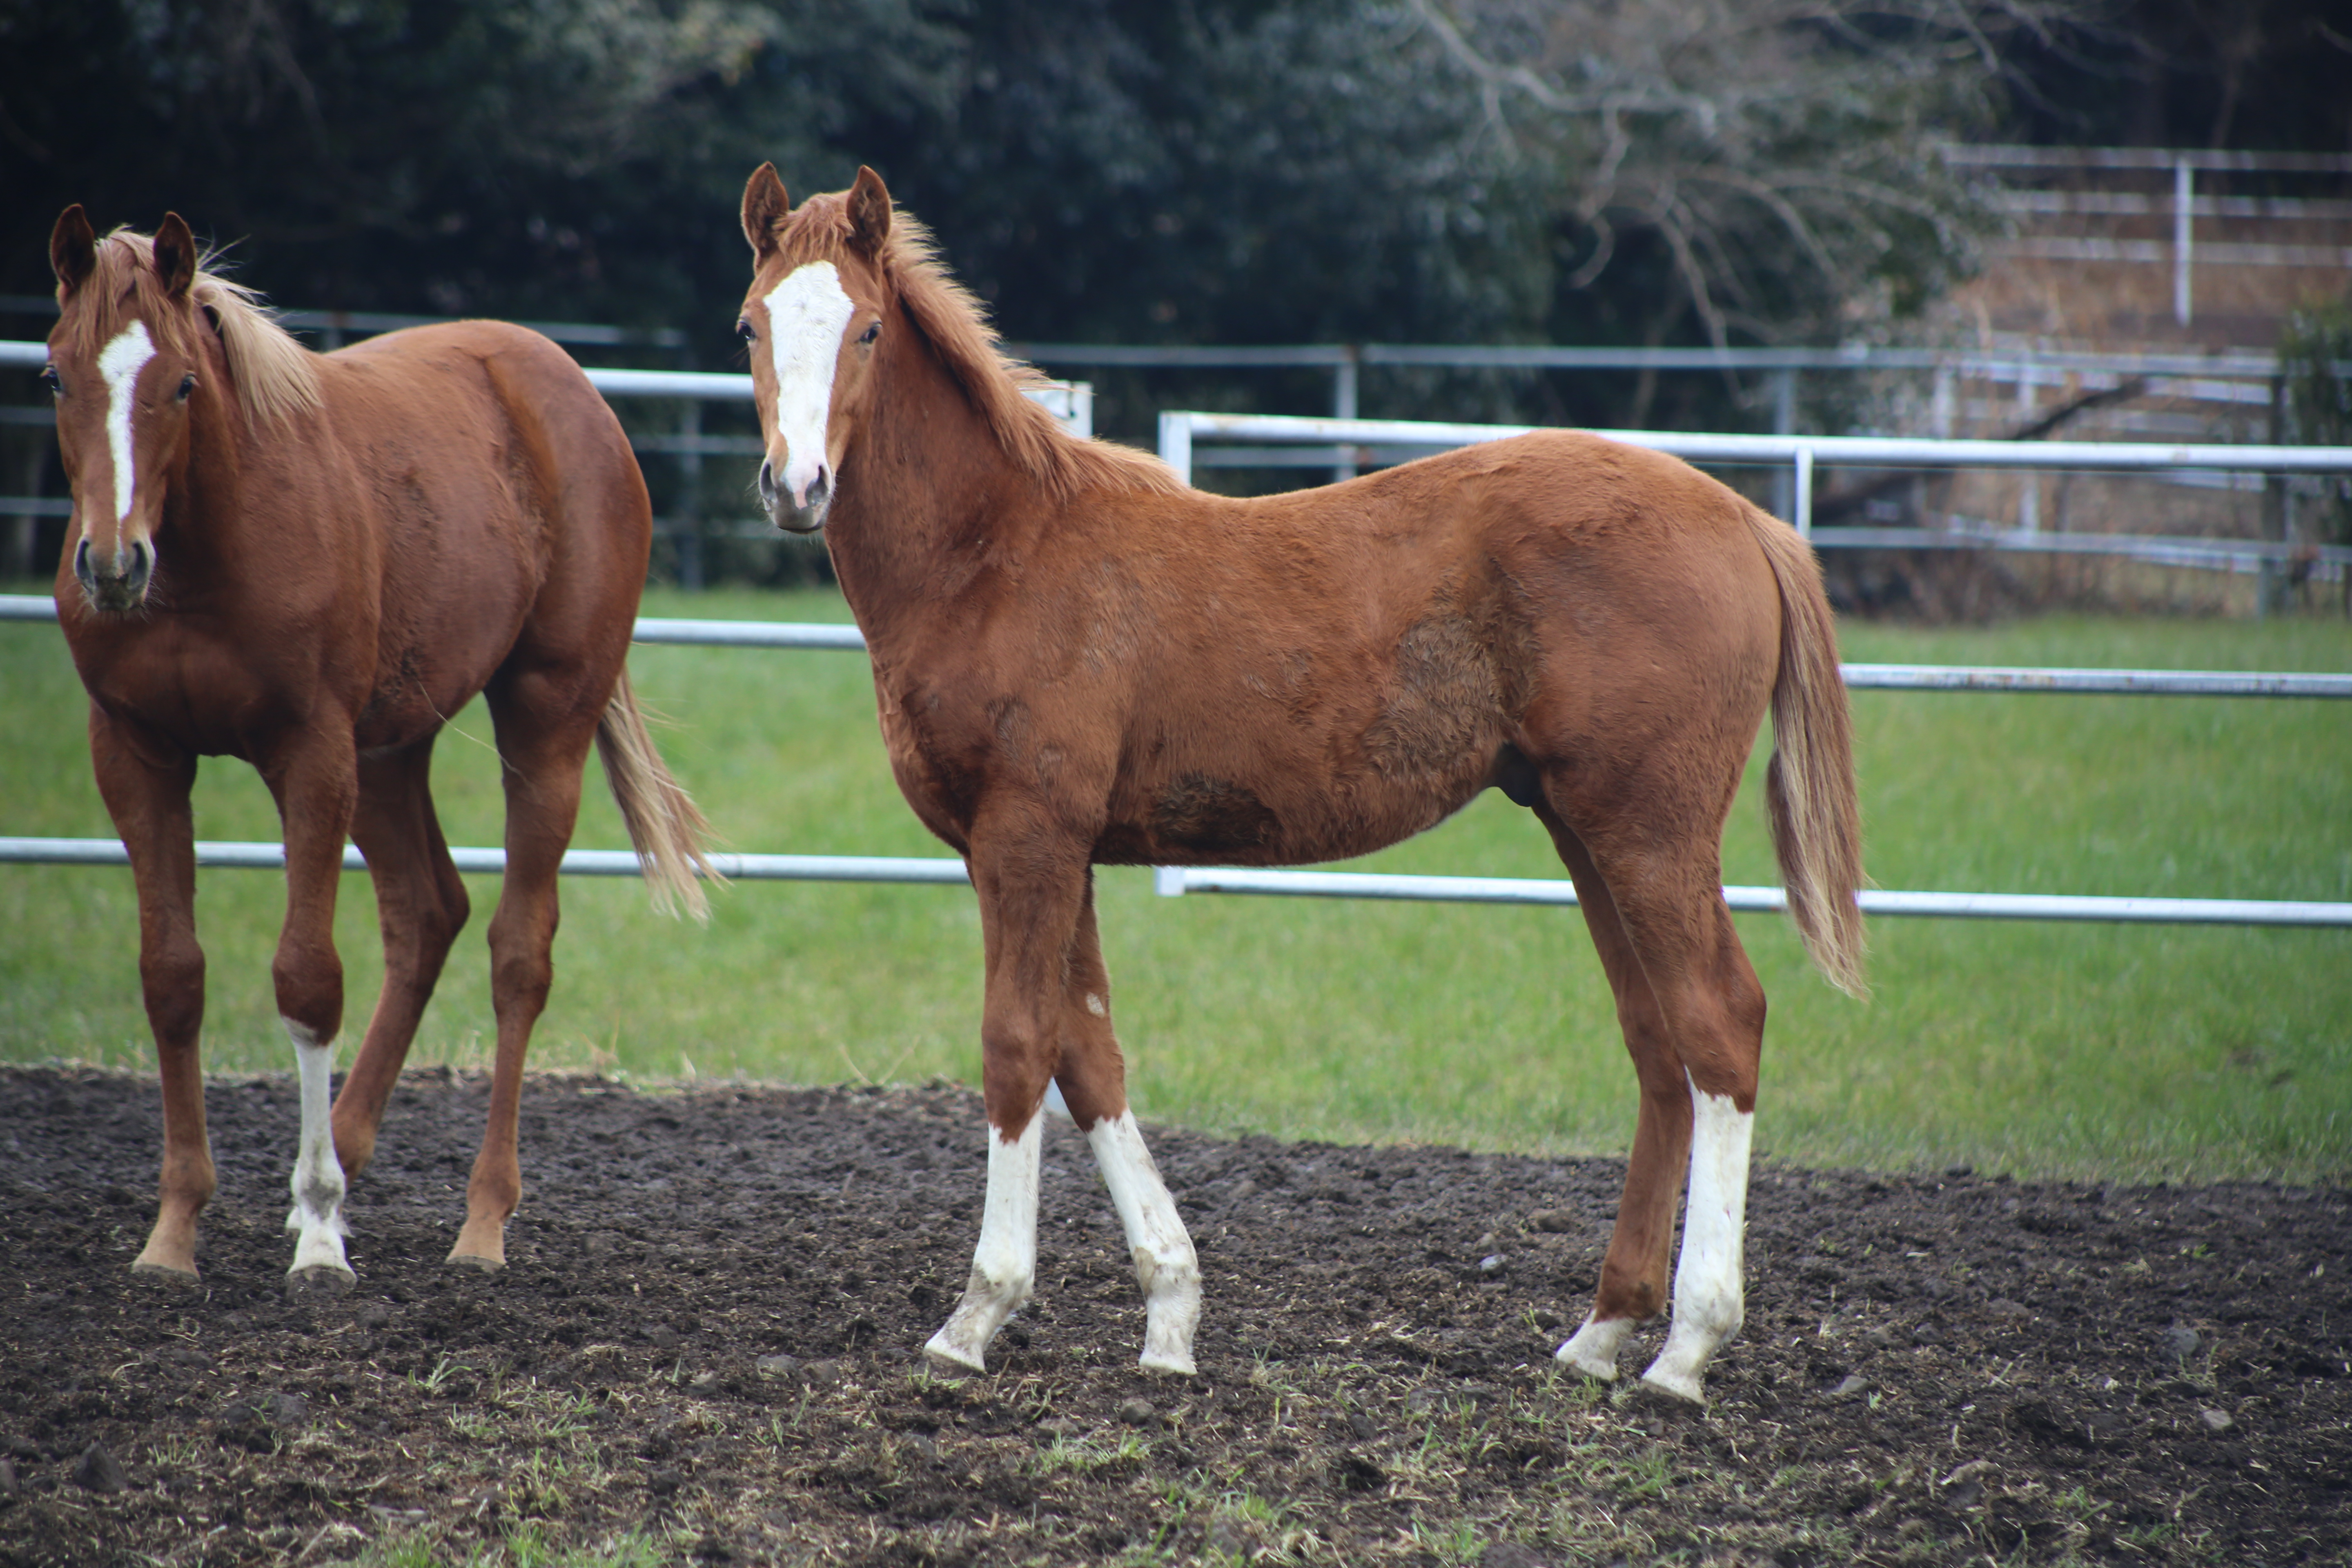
{"points": [[1079, 661], [309, 562]]}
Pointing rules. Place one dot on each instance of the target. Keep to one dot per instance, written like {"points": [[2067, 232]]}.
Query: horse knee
{"points": [[308, 977], [521, 969], [171, 980], [1014, 1071]]}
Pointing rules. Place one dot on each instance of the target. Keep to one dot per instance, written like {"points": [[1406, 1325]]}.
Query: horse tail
{"points": [[664, 823], [1816, 819]]}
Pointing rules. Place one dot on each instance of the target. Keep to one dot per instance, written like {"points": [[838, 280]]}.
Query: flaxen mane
{"points": [[957, 327], [274, 377]]}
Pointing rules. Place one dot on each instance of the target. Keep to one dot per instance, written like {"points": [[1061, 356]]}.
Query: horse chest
{"points": [[208, 704]]}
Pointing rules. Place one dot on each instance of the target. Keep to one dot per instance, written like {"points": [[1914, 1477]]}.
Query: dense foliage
{"points": [[1212, 170]]}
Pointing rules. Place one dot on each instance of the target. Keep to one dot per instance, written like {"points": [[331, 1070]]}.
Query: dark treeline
{"points": [[1180, 171]]}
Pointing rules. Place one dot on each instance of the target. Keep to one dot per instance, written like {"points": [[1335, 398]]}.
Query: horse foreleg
{"points": [[147, 796], [1029, 892], [1005, 1264], [316, 790], [1092, 1080]]}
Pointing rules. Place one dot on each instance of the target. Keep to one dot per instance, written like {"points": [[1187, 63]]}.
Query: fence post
{"points": [[1784, 423], [1343, 405], [2184, 197], [1804, 476], [2269, 586], [2028, 483], [1176, 444]]}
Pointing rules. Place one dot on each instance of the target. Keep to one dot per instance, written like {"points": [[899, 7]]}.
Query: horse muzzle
{"points": [[115, 583], [803, 513]]}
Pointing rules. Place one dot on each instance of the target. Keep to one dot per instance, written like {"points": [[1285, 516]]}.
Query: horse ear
{"points": [[176, 255], [765, 205], [73, 248], [869, 213]]}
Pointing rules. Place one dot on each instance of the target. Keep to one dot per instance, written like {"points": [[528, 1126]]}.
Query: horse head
{"points": [[812, 323], [125, 363]]}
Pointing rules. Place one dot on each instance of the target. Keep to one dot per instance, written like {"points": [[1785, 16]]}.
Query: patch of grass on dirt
{"points": [[2139, 1052]]}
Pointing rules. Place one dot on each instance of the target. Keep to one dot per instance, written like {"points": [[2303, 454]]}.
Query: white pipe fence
{"points": [[1174, 881]]}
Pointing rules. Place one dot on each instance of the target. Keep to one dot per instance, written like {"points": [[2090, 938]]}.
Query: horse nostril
{"points": [[82, 574], [141, 560], [820, 488], [768, 484]]}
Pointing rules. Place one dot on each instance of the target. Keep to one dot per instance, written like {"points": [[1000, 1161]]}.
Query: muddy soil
{"points": [[705, 1347]]}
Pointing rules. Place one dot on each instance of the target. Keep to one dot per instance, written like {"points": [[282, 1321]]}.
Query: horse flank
{"points": [[272, 377]]}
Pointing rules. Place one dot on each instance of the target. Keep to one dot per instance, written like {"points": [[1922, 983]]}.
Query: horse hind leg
{"points": [[421, 905], [1092, 1078], [545, 723], [1693, 1014]]}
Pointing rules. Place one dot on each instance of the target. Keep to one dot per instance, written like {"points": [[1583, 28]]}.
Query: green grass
{"points": [[2130, 1052]]}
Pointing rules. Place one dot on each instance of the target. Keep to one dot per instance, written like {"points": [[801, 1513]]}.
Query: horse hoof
{"points": [[319, 1284], [166, 1275], [1669, 1392], [951, 1361], [1168, 1365], [475, 1260]]}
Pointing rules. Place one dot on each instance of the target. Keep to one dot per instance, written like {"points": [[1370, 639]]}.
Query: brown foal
{"points": [[309, 563], [1079, 661]]}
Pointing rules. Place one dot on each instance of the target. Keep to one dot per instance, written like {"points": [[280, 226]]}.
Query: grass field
{"points": [[2139, 1053]]}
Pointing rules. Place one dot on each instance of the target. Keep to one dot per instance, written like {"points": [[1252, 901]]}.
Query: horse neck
{"points": [[929, 499]]}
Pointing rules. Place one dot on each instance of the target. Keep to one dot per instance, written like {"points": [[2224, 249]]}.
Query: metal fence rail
{"points": [[1174, 881], [1858, 677]]}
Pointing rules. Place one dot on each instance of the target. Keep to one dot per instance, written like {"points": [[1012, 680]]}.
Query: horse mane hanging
{"points": [[956, 324], [271, 374]]}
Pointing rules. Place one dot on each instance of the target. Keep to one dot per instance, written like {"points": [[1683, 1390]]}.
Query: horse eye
{"points": [[744, 330], [872, 332], [49, 379], [188, 385]]}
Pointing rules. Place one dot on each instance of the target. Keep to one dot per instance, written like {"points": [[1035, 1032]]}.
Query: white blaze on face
{"points": [[807, 314], [120, 363]]}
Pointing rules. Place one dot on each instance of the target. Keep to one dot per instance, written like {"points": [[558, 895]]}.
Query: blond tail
{"points": [[1816, 820], [663, 821]]}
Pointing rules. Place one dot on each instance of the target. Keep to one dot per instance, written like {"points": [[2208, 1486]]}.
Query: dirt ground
{"points": [[705, 1347]]}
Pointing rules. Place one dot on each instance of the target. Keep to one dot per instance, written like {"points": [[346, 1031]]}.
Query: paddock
{"points": [[702, 1349]]}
